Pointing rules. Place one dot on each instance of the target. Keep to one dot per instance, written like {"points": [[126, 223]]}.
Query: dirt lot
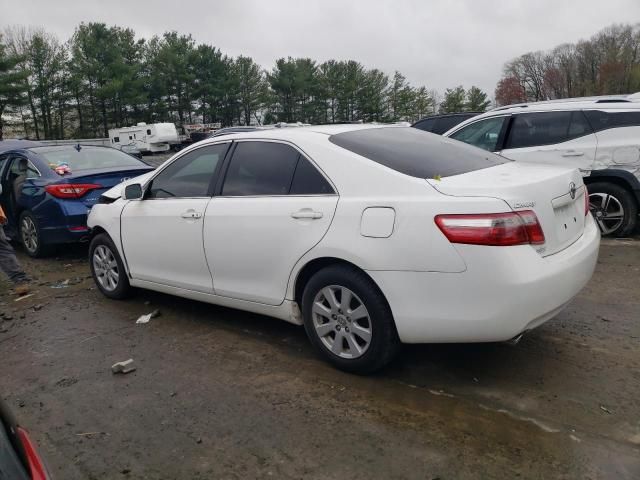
{"points": [[223, 394]]}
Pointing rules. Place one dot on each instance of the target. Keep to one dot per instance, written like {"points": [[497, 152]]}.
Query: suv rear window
{"points": [[414, 152], [600, 120]]}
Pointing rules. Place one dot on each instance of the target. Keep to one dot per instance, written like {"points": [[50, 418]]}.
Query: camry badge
{"points": [[572, 190]]}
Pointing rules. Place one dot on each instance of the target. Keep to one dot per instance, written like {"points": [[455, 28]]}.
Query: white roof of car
{"points": [[291, 133], [623, 102]]}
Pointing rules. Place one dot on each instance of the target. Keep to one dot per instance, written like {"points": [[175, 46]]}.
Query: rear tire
{"points": [[614, 208], [31, 236], [348, 320], [107, 268]]}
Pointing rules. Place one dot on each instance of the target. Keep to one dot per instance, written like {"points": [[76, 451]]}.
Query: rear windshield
{"points": [[415, 152], [86, 158]]}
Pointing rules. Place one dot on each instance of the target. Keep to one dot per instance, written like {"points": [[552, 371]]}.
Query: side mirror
{"points": [[133, 192]]}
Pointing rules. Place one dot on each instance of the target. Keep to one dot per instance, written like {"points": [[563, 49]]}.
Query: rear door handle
{"points": [[572, 153], [306, 213], [191, 214]]}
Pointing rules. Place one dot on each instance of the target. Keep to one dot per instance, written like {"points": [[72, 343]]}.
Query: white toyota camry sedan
{"points": [[370, 236]]}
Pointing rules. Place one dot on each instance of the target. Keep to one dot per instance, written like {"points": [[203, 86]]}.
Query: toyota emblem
{"points": [[572, 190]]}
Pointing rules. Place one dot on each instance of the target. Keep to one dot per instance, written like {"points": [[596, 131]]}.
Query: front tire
{"points": [[348, 320], [31, 235], [107, 268], [614, 209]]}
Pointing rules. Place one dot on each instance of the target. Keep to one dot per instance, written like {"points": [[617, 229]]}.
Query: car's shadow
{"points": [[433, 365]]}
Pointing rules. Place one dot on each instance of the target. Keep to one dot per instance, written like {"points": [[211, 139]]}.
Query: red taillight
{"points": [[36, 466], [586, 201], [70, 190], [497, 229]]}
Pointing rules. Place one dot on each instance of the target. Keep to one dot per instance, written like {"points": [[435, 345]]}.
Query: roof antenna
{"points": [[78, 147]]}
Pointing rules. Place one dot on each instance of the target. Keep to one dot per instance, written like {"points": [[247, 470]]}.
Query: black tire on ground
{"points": [[621, 195], [122, 287], [384, 342], [30, 236]]}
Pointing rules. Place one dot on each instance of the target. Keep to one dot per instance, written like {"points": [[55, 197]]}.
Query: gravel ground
{"points": [[220, 393]]}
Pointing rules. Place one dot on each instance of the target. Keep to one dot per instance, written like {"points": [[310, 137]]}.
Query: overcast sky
{"points": [[437, 43]]}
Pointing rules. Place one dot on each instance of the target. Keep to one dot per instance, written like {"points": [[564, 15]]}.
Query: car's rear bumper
{"points": [[504, 291]]}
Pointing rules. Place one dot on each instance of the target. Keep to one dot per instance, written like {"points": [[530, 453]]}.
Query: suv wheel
{"points": [[348, 320], [614, 208]]}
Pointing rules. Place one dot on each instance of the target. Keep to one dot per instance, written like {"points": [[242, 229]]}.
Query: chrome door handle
{"points": [[306, 213], [191, 214], [572, 153]]}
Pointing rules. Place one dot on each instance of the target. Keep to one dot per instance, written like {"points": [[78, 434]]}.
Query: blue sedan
{"points": [[47, 191]]}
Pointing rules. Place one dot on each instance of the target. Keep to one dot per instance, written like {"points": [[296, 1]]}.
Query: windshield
{"points": [[87, 158], [415, 152]]}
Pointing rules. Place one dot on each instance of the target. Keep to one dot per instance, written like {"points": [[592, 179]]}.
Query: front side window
{"points": [[483, 134], [24, 169], [190, 175], [546, 128], [260, 168]]}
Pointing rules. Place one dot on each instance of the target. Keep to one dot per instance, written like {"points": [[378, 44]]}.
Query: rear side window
{"points": [[414, 152], [307, 180], [260, 168], [600, 120], [546, 128]]}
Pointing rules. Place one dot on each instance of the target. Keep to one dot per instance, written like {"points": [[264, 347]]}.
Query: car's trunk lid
{"points": [[105, 177], [556, 195]]}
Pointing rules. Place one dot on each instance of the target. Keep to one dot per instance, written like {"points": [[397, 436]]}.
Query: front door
{"points": [[274, 206], [162, 233]]}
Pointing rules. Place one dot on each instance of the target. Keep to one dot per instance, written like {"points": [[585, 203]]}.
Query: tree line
{"points": [[608, 63], [105, 77]]}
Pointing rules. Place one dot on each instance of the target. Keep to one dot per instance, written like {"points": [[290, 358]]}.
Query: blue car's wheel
{"points": [[30, 235]]}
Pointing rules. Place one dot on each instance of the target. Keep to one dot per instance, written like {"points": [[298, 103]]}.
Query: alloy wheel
{"points": [[607, 211], [105, 268], [341, 321], [29, 233]]}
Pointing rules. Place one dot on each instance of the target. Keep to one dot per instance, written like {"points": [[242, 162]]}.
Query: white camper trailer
{"points": [[155, 137]]}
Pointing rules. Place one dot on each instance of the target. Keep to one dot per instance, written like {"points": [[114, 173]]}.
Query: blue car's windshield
{"points": [[85, 158]]}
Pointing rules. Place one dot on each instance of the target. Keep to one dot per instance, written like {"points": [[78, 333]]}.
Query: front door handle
{"points": [[572, 153], [306, 213], [191, 214]]}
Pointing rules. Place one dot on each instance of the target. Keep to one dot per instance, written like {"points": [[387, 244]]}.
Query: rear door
{"points": [[556, 138], [618, 133], [273, 207], [162, 233]]}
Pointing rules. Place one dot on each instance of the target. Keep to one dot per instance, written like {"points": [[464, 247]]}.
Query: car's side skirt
{"points": [[287, 310]]}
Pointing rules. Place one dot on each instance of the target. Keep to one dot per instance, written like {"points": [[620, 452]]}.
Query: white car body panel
{"points": [[158, 236], [619, 148], [235, 226], [578, 153], [438, 291]]}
